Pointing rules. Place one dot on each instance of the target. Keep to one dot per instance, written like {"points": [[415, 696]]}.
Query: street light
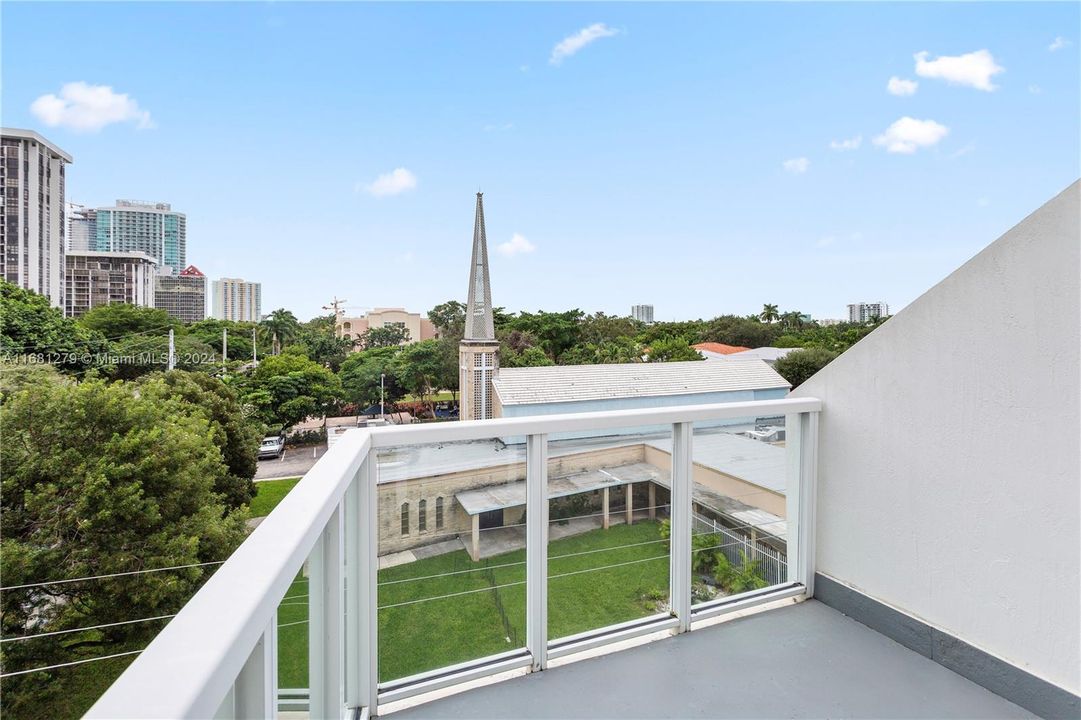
{"points": [[382, 377]]}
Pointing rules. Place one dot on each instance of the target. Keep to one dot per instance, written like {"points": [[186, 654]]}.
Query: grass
{"points": [[268, 493], [489, 617], [444, 396]]}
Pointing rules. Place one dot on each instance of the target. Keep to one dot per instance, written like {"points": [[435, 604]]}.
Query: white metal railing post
{"points": [[353, 617], [537, 549], [255, 692], [808, 500], [680, 537], [801, 443], [793, 445], [325, 622], [368, 587]]}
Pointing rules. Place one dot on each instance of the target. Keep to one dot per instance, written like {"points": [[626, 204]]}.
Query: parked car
{"points": [[272, 447]]}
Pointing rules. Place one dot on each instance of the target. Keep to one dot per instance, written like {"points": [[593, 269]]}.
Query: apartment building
{"points": [[32, 220], [102, 278]]}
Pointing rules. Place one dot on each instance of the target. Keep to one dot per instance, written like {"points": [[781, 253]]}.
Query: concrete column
{"points": [[604, 508], [630, 503], [652, 501], [475, 547]]}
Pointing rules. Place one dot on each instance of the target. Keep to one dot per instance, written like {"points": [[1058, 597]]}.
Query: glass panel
{"points": [[293, 635], [738, 518], [607, 542], [451, 554]]}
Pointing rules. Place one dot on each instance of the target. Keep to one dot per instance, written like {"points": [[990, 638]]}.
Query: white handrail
{"points": [[554, 424], [191, 665]]}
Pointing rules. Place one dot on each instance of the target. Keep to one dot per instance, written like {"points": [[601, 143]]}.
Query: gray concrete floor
{"points": [[802, 661]]}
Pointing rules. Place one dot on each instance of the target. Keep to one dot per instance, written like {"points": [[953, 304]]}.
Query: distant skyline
{"points": [[702, 158]]}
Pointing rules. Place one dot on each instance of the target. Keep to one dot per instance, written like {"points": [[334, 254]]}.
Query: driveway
{"points": [[293, 463]]}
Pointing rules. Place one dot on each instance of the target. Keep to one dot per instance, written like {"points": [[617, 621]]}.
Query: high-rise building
{"points": [[237, 300], [642, 313], [153, 228], [32, 220], [863, 312], [478, 353], [102, 278], [82, 232], [183, 295]]}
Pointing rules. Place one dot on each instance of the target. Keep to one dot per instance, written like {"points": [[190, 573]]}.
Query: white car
{"points": [[271, 447]]}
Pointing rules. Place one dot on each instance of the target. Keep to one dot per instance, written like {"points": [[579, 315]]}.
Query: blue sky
{"points": [[671, 154]]}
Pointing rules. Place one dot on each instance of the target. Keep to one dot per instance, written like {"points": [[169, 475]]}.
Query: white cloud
{"points": [[517, 245], [397, 181], [497, 128], [88, 108], [1058, 43], [797, 166], [968, 147], [908, 134], [1035, 89], [826, 241], [852, 143], [573, 43], [901, 87], [974, 69]]}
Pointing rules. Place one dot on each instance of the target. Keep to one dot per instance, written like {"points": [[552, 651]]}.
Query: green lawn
{"points": [[268, 493], [435, 633]]}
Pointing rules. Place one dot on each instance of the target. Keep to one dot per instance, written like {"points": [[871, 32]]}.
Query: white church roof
{"points": [[573, 383]]}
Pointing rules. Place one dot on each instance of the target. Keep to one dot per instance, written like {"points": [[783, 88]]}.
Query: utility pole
{"points": [[172, 351], [254, 349], [224, 347], [335, 305], [382, 378]]}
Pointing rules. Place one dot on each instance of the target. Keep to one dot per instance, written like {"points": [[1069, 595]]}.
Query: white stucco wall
{"points": [[949, 452]]}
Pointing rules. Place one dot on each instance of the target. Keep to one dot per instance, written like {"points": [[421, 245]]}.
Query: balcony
{"points": [[328, 581]]}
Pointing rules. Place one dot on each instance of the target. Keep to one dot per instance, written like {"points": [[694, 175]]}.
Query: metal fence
{"points": [[772, 563]]}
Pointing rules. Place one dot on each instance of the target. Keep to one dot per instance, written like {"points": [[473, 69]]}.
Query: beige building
{"points": [[237, 300], [183, 295], [103, 278], [418, 327]]}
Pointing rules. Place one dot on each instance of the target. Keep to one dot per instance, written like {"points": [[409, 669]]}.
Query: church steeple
{"points": [[478, 354], [479, 323]]}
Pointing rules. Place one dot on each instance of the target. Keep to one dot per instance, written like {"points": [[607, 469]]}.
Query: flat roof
{"points": [[753, 461], [575, 383], [132, 254], [32, 135]]}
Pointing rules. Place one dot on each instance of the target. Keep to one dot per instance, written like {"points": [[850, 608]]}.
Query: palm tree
{"points": [[769, 313], [282, 326], [793, 320]]}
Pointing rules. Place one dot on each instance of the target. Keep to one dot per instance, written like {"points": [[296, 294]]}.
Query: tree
{"points": [[361, 374], [101, 479], [769, 313], [799, 365], [529, 357], [287, 388], [555, 332], [741, 331], [419, 367], [322, 344], [386, 336], [448, 318], [792, 320], [672, 350], [689, 330], [617, 350], [236, 434], [35, 332], [137, 355], [599, 328], [120, 320], [282, 326]]}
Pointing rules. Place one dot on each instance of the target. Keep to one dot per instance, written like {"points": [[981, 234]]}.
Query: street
{"points": [[293, 463]]}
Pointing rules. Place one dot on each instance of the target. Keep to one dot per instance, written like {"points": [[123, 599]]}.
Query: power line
{"points": [[69, 664], [110, 575], [83, 629]]}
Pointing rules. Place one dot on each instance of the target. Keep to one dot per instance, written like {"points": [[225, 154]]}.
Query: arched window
{"points": [[422, 515], [405, 518], [439, 513]]}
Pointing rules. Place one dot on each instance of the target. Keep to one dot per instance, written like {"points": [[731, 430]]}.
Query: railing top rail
{"points": [[392, 435], [190, 666]]}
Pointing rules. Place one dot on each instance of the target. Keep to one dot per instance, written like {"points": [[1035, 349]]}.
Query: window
{"points": [[439, 513], [422, 516], [405, 518]]}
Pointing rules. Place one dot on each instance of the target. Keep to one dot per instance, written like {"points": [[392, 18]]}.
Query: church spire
{"points": [[479, 322]]}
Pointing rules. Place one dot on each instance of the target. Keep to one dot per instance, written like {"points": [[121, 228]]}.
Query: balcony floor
{"points": [[805, 660]]}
